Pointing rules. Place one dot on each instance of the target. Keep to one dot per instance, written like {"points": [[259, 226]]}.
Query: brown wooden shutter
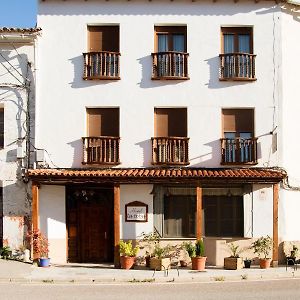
{"points": [[170, 122], [238, 120], [103, 122], [103, 38]]}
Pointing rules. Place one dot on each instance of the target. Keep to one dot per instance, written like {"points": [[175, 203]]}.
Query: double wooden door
{"points": [[90, 225]]}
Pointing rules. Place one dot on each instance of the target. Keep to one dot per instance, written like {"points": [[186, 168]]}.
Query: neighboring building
{"points": [[176, 109], [17, 100]]}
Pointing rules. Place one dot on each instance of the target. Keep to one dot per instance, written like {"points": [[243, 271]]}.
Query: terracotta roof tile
{"points": [[256, 174], [20, 30]]}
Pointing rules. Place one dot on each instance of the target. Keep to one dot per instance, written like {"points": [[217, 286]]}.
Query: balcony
{"points": [[237, 66], [102, 65], [239, 151], [170, 66], [170, 151], [103, 150]]}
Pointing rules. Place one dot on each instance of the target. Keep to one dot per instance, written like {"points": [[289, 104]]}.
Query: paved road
{"points": [[273, 289]]}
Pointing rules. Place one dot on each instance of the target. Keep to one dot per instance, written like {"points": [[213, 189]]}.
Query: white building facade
{"points": [[17, 98], [165, 116]]}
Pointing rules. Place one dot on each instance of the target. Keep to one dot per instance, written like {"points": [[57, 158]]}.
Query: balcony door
{"points": [[238, 132], [170, 142], [101, 146]]}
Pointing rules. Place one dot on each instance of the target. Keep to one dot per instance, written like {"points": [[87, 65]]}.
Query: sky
{"points": [[18, 13]]}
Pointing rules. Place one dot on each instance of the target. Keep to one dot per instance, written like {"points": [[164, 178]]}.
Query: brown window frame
{"points": [[236, 31]]}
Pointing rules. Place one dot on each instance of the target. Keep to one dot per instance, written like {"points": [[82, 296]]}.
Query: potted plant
{"points": [[128, 254], [234, 261], [148, 241], [196, 253], [40, 245], [161, 258], [262, 247], [291, 260], [5, 252], [247, 263]]}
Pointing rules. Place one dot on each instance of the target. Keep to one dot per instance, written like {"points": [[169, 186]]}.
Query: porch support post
{"points": [[275, 224], [116, 224], [199, 212], [35, 211]]}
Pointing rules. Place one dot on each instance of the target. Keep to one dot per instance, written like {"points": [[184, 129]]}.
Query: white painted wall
{"points": [[130, 193], [17, 51], [63, 93], [290, 108], [52, 212]]}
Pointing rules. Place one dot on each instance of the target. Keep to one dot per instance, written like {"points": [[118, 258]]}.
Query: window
{"points": [[179, 216], [102, 58], [170, 144], [224, 216], [174, 210], [102, 144], [1, 127], [237, 58], [238, 144], [170, 57]]}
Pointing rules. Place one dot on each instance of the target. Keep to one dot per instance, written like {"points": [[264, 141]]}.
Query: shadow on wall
{"points": [[146, 146], [78, 81], [14, 96], [77, 153], [292, 10], [210, 159], [214, 82], [146, 81]]}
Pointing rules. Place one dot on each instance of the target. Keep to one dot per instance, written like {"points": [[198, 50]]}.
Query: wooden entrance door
{"points": [[92, 216]]}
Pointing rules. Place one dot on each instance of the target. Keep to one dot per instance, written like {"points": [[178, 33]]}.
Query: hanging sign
{"points": [[136, 212]]}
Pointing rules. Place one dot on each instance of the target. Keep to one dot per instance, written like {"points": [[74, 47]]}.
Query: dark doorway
{"points": [[90, 224]]}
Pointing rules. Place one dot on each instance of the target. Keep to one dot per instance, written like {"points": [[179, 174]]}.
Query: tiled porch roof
{"points": [[159, 174], [20, 30]]}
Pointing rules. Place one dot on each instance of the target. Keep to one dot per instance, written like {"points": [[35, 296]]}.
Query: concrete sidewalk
{"points": [[103, 273]]}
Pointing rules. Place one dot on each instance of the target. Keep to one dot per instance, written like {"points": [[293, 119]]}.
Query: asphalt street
{"points": [[260, 289]]}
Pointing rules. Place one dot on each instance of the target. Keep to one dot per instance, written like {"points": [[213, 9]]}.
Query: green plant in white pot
{"points": [[263, 247]]}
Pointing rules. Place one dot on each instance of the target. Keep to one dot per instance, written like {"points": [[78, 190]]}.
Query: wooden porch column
{"points": [[199, 212], [35, 211], [275, 224], [116, 225]]}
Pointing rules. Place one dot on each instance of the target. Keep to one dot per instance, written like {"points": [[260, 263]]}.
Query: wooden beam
{"points": [[35, 206], [116, 225], [199, 212], [35, 213], [275, 224]]}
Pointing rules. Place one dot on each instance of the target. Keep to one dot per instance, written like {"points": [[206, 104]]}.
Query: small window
{"points": [[224, 216]]}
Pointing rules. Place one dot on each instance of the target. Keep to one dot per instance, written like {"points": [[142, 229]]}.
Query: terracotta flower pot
{"points": [[127, 262], [198, 263], [264, 263]]}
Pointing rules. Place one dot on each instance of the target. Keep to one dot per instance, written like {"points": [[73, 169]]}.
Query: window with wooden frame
{"points": [[170, 143], [170, 59], [238, 145], [102, 59], [224, 216], [1, 128], [237, 61], [101, 146]]}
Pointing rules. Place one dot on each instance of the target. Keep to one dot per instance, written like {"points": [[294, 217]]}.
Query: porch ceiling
{"points": [[152, 175]]}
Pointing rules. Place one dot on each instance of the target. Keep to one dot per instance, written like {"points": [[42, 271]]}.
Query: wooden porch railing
{"points": [[170, 65], [237, 66], [101, 65], [101, 150], [239, 151], [170, 150]]}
